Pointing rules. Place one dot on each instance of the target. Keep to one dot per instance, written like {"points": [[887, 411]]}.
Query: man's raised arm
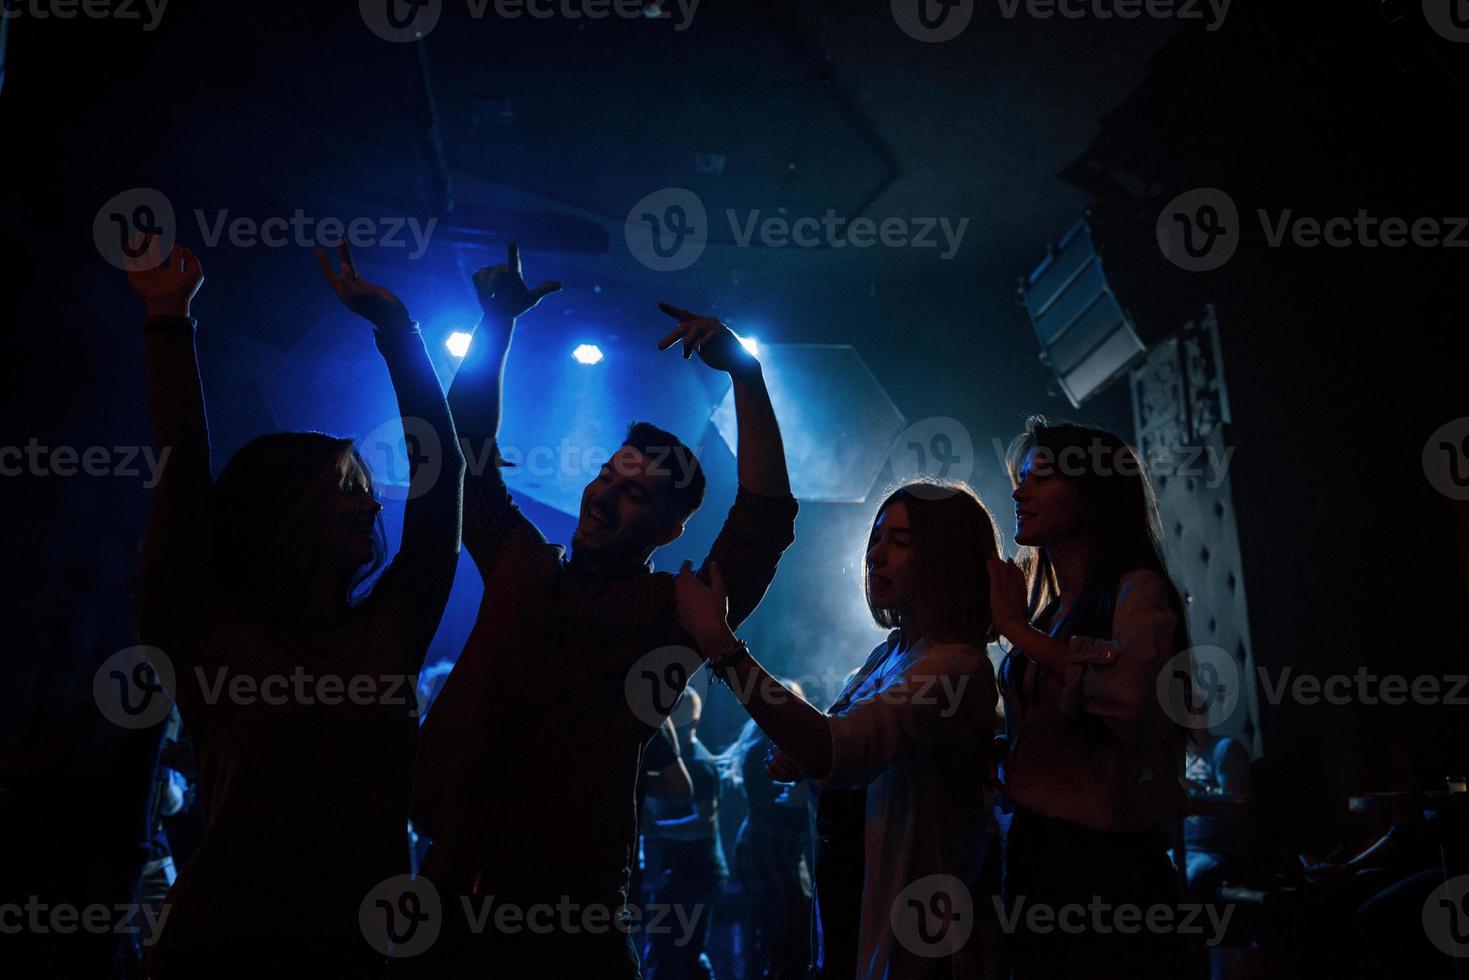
{"points": [[474, 400], [761, 524]]}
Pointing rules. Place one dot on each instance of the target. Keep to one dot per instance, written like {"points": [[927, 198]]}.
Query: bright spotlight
{"points": [[751, 344], [458, 342], [587, 354]]}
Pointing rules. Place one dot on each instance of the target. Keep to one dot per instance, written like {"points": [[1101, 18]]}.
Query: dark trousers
{"points": [[1051, 867], [677, 922]]}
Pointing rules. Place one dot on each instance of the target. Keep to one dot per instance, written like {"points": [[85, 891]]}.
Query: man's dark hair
{"points": [[675, 461]]}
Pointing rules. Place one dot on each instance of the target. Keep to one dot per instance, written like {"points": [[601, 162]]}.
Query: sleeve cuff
{"points": [[396, 328]]}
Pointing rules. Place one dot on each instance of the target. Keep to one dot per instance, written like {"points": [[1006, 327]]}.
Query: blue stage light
{"points": [[750, 344], [458, 342], [587, 354]]}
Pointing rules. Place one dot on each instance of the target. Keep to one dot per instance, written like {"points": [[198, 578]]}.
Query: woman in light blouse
{"points": [[913, 730], [1094, 762]]}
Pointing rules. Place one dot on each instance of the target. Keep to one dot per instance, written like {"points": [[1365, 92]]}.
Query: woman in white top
{"points": [[913, 728]]}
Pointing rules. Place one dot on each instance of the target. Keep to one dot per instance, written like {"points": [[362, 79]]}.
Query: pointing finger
{"points": [[326, 266], [190, 262], [544, 289], [345, 253], [672, 336], [675, 312]]}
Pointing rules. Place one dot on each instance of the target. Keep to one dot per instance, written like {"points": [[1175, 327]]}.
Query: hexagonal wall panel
{"points": [[837, 422]]}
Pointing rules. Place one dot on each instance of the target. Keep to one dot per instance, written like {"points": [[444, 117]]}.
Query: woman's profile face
{"points": [[1047, 504], [890, 559], [350, 518]]}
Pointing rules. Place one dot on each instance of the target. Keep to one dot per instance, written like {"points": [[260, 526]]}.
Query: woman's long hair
{"points": [[1119, 512], [953, 534], [266, 520]]}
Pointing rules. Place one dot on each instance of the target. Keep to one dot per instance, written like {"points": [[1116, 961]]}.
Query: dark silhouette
{"points": [[258, 579]]}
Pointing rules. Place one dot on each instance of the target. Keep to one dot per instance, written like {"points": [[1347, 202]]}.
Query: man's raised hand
{"points": [[502, 292], [367, 300], [166, 290], [715, 343]]}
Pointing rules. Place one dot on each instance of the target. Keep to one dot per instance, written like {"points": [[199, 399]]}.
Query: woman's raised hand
{"points": [[166, 290], [367, 300], [1007, 597]]}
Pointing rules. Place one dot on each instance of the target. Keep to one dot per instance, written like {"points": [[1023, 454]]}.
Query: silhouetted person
{"points": [[1095, 764], [771, 858], [911, 735], [529, 761], [691, 870], [258, 577]]}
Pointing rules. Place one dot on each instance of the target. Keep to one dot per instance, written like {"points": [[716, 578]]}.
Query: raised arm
{"points": [[175, 548], [761, 456], [475, 398], [414, 590], [800, 730], [761, 524]]}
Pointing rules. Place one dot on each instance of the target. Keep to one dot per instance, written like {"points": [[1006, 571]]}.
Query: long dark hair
{"points": [[953, 533], [1119, 511], [264, 522]]}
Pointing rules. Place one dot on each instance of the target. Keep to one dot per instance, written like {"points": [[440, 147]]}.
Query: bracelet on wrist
{"points": [[728, 656]]}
